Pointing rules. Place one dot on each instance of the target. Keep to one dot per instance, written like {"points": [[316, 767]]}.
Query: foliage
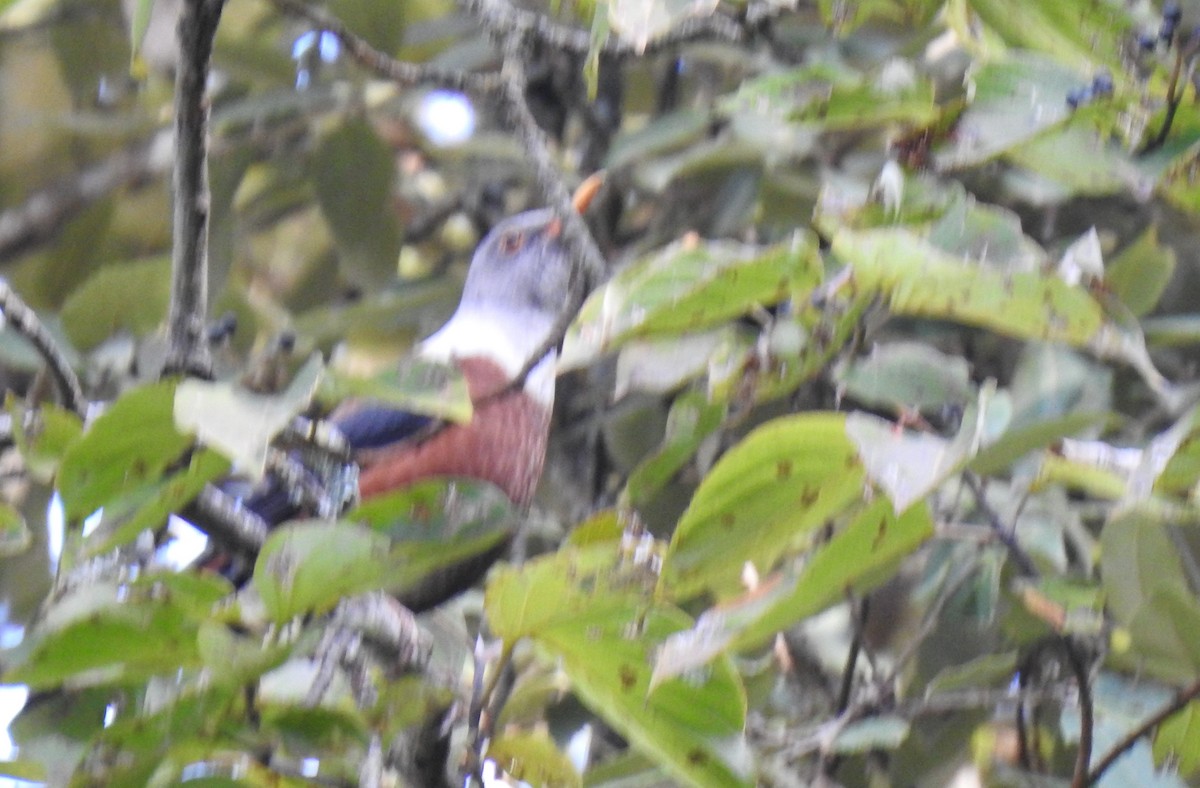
{"points": [[876, 457]]}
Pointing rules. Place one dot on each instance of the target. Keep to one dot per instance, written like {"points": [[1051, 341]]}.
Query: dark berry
{"points": [[1102, 84], [1167, 31], [223, 328], [1172, 12], [1147, 41], [1079, 96]]}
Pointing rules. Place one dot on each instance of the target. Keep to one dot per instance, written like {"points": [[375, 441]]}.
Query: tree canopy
{"points": [[873, 458]]}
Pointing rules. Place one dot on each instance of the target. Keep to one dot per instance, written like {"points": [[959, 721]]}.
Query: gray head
{"points": [[521, 266]]}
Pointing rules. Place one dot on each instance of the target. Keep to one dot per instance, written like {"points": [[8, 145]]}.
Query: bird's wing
{"points": [[367, 425], [364, 425]]}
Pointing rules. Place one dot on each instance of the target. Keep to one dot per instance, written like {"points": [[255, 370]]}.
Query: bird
{"points": [[518, 285]]}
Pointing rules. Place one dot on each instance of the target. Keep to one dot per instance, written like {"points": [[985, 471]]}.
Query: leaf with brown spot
{"points": [[680, 290], [859, 557], [592, 612], [825, 476]]}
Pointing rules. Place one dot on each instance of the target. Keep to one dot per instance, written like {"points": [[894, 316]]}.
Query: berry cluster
{"points": [[1172, 15], [1100, 87]]}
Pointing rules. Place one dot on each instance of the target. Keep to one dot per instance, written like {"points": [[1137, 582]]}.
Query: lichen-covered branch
{"points": [[188, 348]]}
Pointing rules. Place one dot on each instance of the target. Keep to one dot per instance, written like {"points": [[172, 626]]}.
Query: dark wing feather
{"points": [[370, 426]]}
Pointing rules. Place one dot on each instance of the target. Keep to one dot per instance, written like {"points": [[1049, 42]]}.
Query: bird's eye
{"points": [[510, 243]]}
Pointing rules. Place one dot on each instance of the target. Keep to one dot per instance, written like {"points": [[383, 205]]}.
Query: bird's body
{"points": [[505, 441], [517, 285]]}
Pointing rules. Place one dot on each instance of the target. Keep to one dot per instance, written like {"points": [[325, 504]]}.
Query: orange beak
{"points": [[587, 191]]}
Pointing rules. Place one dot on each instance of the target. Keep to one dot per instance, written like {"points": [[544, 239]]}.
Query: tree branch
{"points": [[549, 180], [25, 322], [37, 219], [1086, 712], [220, 516], [188, 349], [1181, 699], [402, 72], [1004, 533]]}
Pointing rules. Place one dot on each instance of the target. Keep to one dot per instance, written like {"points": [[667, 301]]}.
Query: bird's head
{"points": [[521, 266]]}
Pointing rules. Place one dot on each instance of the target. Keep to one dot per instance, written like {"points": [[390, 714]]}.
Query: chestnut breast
{"points": [[504, 443]]}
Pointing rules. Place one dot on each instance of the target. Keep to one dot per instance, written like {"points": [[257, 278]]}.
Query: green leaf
{"points": [[858, 558], [835, 98], [236, 659], [910, 465], [308, 566], [765, 496], [904, 375], [692, 726], [692, 418], [129, 446], [437, 511], [589, 609], [445, 532], [1080, 160], [381, 24], [120, 644], [533, 758], [238, 422], [353, 171], [1080, 32], [417, 386], [917, 279], [43, 447], [23, 769], [845, 17], [875, 733], [1179, 739], [1014, 444], [14, 533], [148, 507], [1137, 558], [318, 726], [1013, 101], [524, 601], [659, 366], [1147, 592], [1141, 272], [985, 234], [666, 133], [102, 305], [682, 290], [137, 26], [989, 670]]}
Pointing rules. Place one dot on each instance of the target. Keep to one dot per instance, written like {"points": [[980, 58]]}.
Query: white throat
{"points": [[506, 338]]}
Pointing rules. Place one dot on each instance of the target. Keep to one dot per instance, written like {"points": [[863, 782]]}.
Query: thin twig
{"points": [[1003, 532], [188, 346], [25, 322], [402, 72], [1181, 699], [481, 697], [864, 610], [1086, 712], [40, 216], [575, 233], [932, 618]]}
